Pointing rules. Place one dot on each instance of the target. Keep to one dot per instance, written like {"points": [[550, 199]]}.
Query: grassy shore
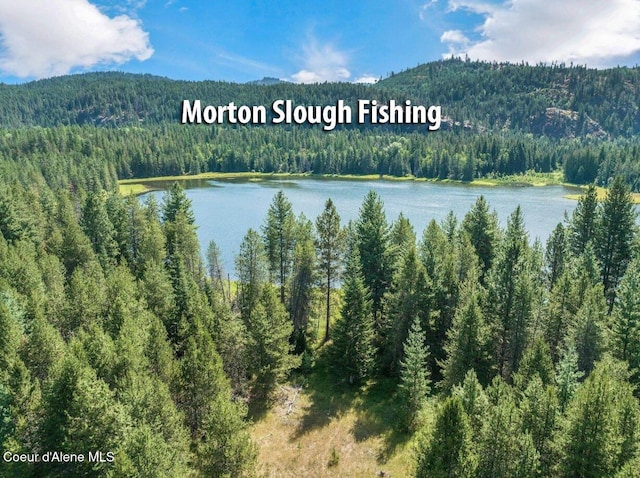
{"points": [[602, 193], [143, 185]]}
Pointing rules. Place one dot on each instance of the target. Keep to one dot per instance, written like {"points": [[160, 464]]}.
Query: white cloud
{"points": [[322, 63], [425, 7], [454, 36], [367, 79], [41, 38], [596, 32]]}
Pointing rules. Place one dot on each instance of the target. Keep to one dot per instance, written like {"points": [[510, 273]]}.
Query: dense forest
{"points": [[509, 358], [502, 357], [498, 119]]}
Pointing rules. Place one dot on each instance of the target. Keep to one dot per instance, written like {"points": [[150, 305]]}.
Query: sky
{"points": [[305, 41]]}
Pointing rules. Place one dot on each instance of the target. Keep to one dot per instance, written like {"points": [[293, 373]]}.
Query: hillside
{"points": [[555, 101]]}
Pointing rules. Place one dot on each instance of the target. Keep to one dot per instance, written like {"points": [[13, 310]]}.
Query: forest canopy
{"points": [[497, 356]]}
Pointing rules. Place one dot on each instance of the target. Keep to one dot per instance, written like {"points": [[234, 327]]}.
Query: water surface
{"points": [[226, 209]]}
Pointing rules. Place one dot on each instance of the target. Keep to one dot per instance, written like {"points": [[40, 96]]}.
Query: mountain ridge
{"points": [[544, 100]]}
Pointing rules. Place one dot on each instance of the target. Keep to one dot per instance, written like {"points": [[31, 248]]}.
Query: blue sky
{"points": [[305, 41]]}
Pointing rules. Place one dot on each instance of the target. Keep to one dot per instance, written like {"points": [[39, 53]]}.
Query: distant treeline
{"points": [[498, 119], [74, 156]]}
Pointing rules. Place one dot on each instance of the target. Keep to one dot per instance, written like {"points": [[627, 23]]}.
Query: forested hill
{"points": [[114, 99], [555, 101], [552, 100]]}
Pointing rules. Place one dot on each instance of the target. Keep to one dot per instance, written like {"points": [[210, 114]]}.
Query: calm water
{"points": [[225, 210]]}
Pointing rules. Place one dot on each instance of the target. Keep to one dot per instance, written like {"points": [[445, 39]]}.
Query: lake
{"points": [[226, 209]]}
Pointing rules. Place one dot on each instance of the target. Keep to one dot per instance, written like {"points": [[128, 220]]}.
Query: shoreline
{"points": [[138, 186]]}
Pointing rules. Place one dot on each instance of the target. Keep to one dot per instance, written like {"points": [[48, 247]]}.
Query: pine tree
{"points": [[352, 352], [616, 228], [303, 279], [401, 237], [444, 267], [372, 232], [510, 297], [408, 299], [414, 379], [535, 362], [582, 227], [503, 449], [482, 229], [99, 229], [600, 433], [81, 413], [567, 375], [589, 332], [269, 330], [474, 400], [176, 203], [540, 416], [559, 312], [215, 422], [467, 344], [330, 246], [625, 328], [251, 267], [216, 271], [448, 452], [279, 240], [555, 254]]}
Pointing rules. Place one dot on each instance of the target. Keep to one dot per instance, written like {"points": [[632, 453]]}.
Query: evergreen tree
{"points": [[330, 246], [279, 240], [582, 227], [408, 299], [175, 204], [414, 379], [567, 375], [540, 416], [216, 271], [372, 233], [401, 237], [510, 296], [559, 312], [482, 229], [269, 331], [448, 452], [302, 281], [467, 344], [152, 247], [589, 333], [474, 400], [251, 267], [11, 225], [99, 229], [625, 327], [215, 422], [352, 352], [81, 413], [600, 433], [503, 449], [615, 234], [444, 266], [535, 362], [555, 253]]}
